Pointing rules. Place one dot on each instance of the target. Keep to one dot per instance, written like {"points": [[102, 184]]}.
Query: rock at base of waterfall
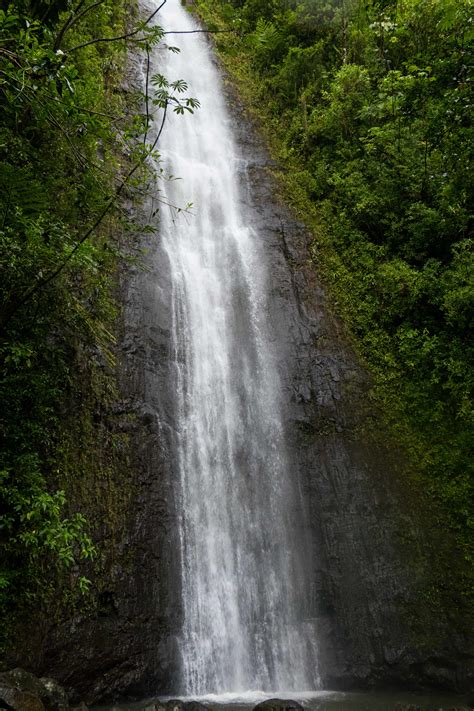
{"points": [[56, 697], [22, 681], [278, 705], [16, 700], [177, 705], [22, 691], [194, 706]]}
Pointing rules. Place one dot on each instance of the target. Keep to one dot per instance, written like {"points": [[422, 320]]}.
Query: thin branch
{"points": [[82, 160], [48, 10], [7, 206], [66, 24], [158, 135], [79, 5], [146, 94], [73, 18], [11, 56], [81, 109], [133, 33]]}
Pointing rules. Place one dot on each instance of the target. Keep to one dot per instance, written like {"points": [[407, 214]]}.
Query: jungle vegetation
{"points": [[368, 106], [74, 141]]}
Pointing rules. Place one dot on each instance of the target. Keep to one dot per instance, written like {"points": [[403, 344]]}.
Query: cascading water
{"points": [[243, 569]]}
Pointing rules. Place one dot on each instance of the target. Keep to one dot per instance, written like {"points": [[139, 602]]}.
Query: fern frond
{"points": [[20, 190]]}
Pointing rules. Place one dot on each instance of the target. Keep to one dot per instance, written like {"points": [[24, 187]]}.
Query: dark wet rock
{"points": [[20, 689], [17, 700], [407, 707], [172, 705], [56, 698], [23, 681], [176, 705], [194, 706], [278, 705]]}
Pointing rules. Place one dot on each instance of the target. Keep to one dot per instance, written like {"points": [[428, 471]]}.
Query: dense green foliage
{"points": [[72, 142], [54, 289], [370, 102]]}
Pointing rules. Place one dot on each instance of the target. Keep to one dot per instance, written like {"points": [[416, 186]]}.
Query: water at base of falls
{"points": [[319, 701], [244, 573]]}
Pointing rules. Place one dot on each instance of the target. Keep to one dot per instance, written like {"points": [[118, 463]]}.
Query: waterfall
{"points": [[243, 568]]}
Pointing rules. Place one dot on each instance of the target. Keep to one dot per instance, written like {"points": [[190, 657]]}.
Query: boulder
{"points": [[176, 705], [22, 691], [56, 698], [23, 681], [278, 705], [16, 700], [172, 705], [194, 706]]}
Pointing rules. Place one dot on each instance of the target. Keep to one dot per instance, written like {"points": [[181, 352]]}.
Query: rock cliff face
{"points": [[370, 559]]}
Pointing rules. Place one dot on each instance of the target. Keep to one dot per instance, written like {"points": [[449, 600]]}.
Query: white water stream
{"points": [[243, 573]]}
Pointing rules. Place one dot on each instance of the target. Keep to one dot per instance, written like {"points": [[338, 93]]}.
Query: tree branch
{"points": [[66, 24], [126, 36], [73, 18], [146, 94]]}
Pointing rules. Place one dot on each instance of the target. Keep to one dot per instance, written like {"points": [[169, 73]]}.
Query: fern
{"points": [[19, 190], [266, 34]]}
